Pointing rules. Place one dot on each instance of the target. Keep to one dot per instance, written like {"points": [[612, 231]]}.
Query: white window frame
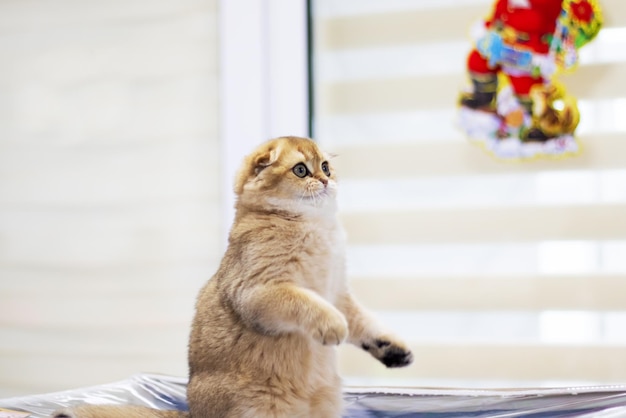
{"points": [[263, 80]]}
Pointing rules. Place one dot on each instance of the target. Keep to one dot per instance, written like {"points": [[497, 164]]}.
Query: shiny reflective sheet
{"points": [[164, 392]]}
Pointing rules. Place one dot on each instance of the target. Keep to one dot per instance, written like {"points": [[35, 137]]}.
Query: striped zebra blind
{"points": [[497, 273]]}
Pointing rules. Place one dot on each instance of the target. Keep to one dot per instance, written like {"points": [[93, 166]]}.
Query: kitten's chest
{"points": [[324, 261]]}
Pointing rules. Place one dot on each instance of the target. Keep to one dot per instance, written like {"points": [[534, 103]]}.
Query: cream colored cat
{"points": [[263, 340]]}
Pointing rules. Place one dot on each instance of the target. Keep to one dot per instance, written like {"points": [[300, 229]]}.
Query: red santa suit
{"points": [[524, 25]]}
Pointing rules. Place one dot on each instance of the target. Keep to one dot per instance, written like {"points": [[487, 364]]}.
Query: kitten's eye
{"points": [[300, 170], [326, 168]]}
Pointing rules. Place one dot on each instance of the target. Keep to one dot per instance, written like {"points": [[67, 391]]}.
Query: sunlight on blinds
{"points": [[498, 273]]}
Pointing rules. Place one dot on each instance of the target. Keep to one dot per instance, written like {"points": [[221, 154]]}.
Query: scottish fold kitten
{"points": [[264, 337]]}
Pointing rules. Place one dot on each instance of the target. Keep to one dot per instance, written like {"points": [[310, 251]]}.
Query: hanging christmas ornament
{"points": [[516, 108]]}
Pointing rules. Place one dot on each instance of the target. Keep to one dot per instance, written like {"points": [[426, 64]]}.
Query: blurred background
{"points": [[121, 125]]}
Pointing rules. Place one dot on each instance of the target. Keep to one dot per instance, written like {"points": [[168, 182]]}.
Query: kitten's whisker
{"points": [[314, 197]]}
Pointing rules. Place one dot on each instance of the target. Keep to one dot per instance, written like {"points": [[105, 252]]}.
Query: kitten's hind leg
{"points": [[327, 402], [366, 333]]}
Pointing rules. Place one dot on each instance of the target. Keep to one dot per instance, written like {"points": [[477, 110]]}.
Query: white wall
{"points": [[109, 186]]}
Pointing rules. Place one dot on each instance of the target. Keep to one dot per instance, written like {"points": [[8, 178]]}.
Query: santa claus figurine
{"points": [[526, 41]]}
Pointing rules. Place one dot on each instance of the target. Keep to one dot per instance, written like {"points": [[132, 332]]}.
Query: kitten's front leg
{"points": [[366, 333], [285, 307]]}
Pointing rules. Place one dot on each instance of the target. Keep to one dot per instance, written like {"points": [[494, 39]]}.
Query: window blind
{"points": [[497, 273], [109, 187]]}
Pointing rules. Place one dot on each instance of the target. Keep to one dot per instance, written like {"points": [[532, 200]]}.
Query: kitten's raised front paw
{"points": [[332, 329], [390, 353], [65, 413]]}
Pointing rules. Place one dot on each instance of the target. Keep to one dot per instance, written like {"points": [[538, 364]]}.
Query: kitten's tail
{"points": [[110, 411]]}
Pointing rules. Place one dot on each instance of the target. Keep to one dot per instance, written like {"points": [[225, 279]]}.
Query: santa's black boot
{"points": [[533, 133], [483, 96]]}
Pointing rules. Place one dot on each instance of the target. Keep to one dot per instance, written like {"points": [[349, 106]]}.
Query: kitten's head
{"points": [[287, 173]]}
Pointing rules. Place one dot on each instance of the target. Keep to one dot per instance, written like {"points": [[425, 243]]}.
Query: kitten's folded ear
{"points": [[254, 164], [265, 160]]}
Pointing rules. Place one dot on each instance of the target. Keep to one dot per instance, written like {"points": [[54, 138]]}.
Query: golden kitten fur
{"points": [[263, 340]]}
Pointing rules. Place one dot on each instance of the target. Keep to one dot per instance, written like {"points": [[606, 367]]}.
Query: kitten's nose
{"points": [[323, 180]]}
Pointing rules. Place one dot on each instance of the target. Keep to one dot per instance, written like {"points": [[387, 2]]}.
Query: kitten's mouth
{"points": [[316, 196]]}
